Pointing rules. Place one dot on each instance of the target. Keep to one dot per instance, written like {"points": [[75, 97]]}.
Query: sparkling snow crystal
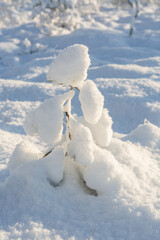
{"points": [[91, 102], [70, 66]]}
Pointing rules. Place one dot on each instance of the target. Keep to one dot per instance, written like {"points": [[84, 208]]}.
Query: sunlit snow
{"points": [[106, 187]]}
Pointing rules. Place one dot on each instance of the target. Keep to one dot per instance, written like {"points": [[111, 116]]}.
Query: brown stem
{"points": [[67, 119], [46, 154]]}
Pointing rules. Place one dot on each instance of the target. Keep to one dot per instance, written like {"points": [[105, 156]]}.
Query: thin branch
{"points": [[67, 119], [74, 88], [46, 154]]}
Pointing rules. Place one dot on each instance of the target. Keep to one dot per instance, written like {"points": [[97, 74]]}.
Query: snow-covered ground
{"points": [[126, 70]]}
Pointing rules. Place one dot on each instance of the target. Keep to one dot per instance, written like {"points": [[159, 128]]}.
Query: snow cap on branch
{"points": [[81, 145], [92, 102], [47, 120], [101, 131], [70, 66]]}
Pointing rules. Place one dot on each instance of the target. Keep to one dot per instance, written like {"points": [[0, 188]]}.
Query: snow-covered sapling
{"points": [[135, 10], [84, 137]]}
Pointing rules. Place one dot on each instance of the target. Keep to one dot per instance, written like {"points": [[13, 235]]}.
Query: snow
{"points": [[54, 197], [101, 131], [103, 173], [46, 121], [91, 102], [70, 66], [53, 165], [23, 153], [146, 134], [81, 145], [27, 152]]}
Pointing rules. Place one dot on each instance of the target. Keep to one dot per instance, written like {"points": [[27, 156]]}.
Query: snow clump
{"points": [[70, 66], [81, 145], [23, 153], [47, 120], [101, 131], [53, 165], [92, 102], [103, 173]]}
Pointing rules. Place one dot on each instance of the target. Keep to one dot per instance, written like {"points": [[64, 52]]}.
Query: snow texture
{"points": [[70, 66], [91, 102], [81, 145]]}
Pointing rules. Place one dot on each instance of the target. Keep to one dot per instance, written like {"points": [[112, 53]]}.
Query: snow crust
{"points": [[91, 102], [70, 66]]}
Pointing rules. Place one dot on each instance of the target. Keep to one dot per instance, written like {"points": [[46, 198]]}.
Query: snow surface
{"points": [[126, 70], [70, 66]]}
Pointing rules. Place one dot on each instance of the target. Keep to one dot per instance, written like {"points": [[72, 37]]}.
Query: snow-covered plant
{"points": [[47, 14], [134, 5], [81, 138], [135, 10], [66, 14]]}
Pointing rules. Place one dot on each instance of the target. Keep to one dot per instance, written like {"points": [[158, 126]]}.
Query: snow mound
{"points": [[92, 102], [70, 66], [23, 153], [81, 145], [146, 134], [101, 131], [103, 173]]}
